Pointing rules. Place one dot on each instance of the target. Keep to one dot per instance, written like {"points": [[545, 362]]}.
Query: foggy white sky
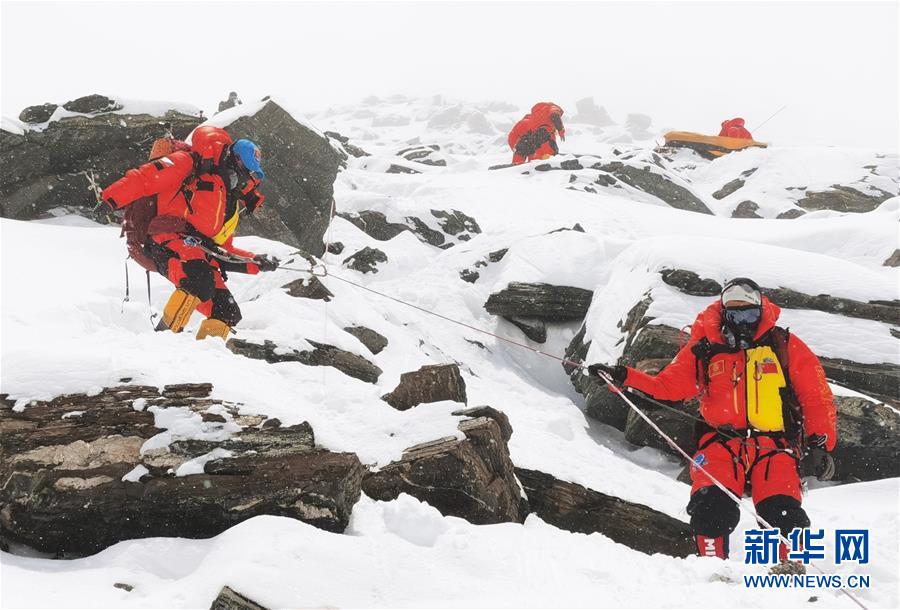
{"points": [[687, 64]]}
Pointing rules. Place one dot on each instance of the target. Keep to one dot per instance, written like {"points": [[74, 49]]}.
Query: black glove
{"points": [[819, 458], [266, 263], [618, 372]]}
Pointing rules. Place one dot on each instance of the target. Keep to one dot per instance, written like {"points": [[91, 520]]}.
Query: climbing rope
{"points": [[741, 503]]}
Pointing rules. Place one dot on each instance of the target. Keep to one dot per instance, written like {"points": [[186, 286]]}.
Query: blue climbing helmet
{"points": [[250, 156]]}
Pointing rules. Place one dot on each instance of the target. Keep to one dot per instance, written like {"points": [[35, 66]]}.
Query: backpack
{"points": [[138, 215]]}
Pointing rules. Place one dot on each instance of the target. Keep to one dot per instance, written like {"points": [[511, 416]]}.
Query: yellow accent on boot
{"points": [[178, 310], [213, 328]]}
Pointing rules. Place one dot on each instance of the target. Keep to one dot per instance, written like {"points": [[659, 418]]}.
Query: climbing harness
{"points": [[694, 464]]}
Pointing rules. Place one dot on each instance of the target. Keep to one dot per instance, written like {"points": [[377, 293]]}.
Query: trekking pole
{"points": [[769, 119]]}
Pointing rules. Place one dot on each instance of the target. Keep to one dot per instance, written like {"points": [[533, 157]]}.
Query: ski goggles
{"points": [[743, 316]]}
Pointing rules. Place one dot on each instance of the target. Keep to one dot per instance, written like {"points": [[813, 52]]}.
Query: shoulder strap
{"points": [[779, 338]]}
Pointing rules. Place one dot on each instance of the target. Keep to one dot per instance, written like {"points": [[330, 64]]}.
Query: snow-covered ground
{"points": [[65, 329]]}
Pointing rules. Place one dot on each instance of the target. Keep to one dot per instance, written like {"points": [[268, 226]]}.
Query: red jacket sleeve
{"points": [[678, 381], [812, 391], [251, 268], [164, 174]]}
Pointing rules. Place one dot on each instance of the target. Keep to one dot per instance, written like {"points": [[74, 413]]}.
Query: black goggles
{"points": [[746, 315]]}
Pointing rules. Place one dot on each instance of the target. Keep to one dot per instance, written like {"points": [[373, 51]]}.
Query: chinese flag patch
{"points": [[769, 367]]}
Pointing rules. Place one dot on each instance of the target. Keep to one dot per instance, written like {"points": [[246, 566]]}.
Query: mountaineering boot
{"points": [[213, 328], [712, 547], [177, 311]]}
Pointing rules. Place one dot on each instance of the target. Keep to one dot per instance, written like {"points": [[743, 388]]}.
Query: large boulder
{"points": [[57, 167], [571, 507], [843, 199], [472, 478], [229, 599], [81, 473], [301, 166], [93, 104], [542, 301], [655, 183], [431, 383], [38, 114], [868, 440]]}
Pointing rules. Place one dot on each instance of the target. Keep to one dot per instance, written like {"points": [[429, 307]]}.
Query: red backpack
{"points": [[208, 146], [138, 215]]}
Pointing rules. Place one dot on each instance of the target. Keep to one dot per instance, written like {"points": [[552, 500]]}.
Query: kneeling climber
{"points": [[763, 398]]}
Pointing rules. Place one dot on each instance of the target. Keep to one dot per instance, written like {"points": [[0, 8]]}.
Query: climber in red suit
{"points": [[200, 195], [534, 137], [734, 128], [762, 391]]}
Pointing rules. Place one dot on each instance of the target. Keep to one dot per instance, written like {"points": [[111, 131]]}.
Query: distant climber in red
{"points": [[734, 128], [534, 137]]}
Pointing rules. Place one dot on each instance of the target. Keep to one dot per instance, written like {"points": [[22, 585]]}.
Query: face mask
{"points": [[742, 323]]}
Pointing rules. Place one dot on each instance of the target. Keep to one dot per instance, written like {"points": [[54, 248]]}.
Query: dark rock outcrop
{"points": [[880, 381], [38, 114], [472, 478], [880, 311], [375, 224], [571, 507], [655, 184], [790, 214], [888, 312], [533, 328], [75, 478], [426, 155], [728, 189], [366, 260], [93, 104], [374, 342], [868, 441], [893, 260], [351, 149], [452, 223], [431, 383], [401, 169], [308, 288], [301, 166], [44, 170], [456, 223], [689, 282], [544, 301], [843, 199], [468, 275], [491, 413], [350, 364], [746, 209], [229, 599]]}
